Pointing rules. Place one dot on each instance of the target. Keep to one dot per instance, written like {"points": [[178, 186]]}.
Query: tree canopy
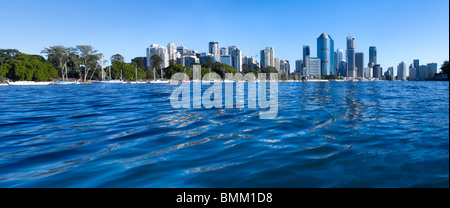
{"points": [[27, 67]]}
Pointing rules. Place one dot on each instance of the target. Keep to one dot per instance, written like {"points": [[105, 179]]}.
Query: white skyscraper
{"points": [[172, 50], [401, 71], [161, 51], [269, 57], [236, 57]]}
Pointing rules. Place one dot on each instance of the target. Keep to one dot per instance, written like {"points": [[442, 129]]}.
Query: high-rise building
{"points": [[306, 51], [416, 63], [262, 61], [161, 51], [214, 50], [378, 71], [373, 54], [223, 51], [269, 57], [314, 67], [236, 57], [342, 68], [325, 51], [338, 57], [351, 56], [172, 50], [370, 66], [359, 63], [299, 66], [412, 73], [276, 64], [431, 69], [423, 72], [401, 71], [225, 59]]}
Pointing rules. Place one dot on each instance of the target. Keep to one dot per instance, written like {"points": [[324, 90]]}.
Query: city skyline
{"points": [[130, 35]]}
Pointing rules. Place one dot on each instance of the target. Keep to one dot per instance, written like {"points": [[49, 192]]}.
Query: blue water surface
{"points": [[330, 134]]}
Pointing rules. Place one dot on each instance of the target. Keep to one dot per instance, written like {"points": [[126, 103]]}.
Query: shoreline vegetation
{"points": [[84, 64]]}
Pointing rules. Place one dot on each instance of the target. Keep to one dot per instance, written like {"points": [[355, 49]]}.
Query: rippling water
{"points": [[338, 134]]}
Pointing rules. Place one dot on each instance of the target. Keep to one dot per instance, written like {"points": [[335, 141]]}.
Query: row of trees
{"points": [[19, 66]]}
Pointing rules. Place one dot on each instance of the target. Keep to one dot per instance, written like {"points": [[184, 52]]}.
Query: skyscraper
{"points": [[431, 69], [338, 57], [373, 54], [214, 50], [172, 50], [401, 71], [350, 56], [306, 51], [359, 63], [236, 57], [313, 67], [423, 72], [262, 62], [299, 66], [269, 57], [277, 64], [417, 66], [325, 51], [378, 71]]}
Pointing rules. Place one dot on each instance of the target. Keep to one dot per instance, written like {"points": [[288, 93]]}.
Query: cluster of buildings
{"points": [[327, 62], [331, 62]]}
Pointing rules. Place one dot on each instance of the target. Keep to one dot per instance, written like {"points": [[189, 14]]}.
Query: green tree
{"points": [[28, 67], [139, 62], [88, 58], [445, 68], [59, 56], [117, 57], [127, 70], [155, 64]]}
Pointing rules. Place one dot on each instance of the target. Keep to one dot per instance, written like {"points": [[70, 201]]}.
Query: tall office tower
{"points": [[299, 66], [269, 57], [342, 68], [359, 62], [172, 50], [236, 57], [373, 54], [313, 67], [431, 69], [412, 73], [370, 66], [223, 51], [350, 56], [389, 75], [378, 71], [306, 51], [161, 51], [338, 57], [277, 64], [401, 71], [423, 72], [262, 61], [325, 51], [417, 66], [214, 50]]}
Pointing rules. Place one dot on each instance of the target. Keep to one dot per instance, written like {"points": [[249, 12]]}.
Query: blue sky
{"points": [[402, 30]]}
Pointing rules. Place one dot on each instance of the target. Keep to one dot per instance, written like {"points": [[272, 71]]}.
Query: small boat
{"points": [[65, 82], [109, 81], [228, 80], [185, 81], [28, 83], [3, 84], [158, 82], [137, 82]]}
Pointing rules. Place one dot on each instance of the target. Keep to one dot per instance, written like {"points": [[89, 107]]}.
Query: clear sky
{"points": [[402, 30]]}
